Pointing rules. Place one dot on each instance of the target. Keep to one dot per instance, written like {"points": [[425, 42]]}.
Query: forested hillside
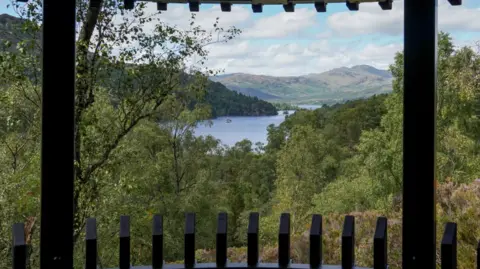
{"points": [[335, 160], [223, 102]]}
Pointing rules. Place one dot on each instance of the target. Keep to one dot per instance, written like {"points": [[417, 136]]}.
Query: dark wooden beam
{"points": [[57, 153], [420, 76]]}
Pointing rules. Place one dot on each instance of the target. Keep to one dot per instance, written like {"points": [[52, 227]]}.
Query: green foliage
{"points": [[137, 154], [286, 106], [305, 165], [225, 102], [344, 196]]}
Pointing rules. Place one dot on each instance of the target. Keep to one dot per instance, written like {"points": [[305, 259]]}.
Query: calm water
{"points": [[251, 128]]}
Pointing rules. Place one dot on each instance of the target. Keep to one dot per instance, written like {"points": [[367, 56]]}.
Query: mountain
{"points": [[10, 30], [336, 85], [224, 102], [8, 23]]}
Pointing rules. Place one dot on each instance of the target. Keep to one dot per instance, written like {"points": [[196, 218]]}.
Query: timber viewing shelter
{"points": [[419, 159]]}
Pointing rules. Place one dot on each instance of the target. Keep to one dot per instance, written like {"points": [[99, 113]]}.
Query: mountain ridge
{"points": [[360, 66], [335, 85]]}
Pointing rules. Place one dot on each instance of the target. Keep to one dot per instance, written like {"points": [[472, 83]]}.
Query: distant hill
{"points": [[8, 23], [336, 85], [254, 93], [224, 102], [10, 29]]}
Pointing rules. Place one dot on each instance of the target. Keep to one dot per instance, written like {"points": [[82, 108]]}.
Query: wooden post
{"points": [[348, 243], [91, 252], [157, 242], [284, 241], [448, 249], [252, 239], [419, 138], [316, 242], [380, 260], [189, 240], [222, 228], [19, 247], [57, 146], [124, 242]]}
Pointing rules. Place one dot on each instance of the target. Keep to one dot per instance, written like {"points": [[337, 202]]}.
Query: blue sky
{"points": [[286, 44]]}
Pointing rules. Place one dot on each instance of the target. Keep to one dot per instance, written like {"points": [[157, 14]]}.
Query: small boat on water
{"points": [[229, 120]]}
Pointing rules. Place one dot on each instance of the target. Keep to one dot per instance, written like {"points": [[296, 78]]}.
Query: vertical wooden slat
{"points": [[124, 242], [221, 255], [189, 240], [157, 242], [380, 258], [448, 248], [348, 243], [316, 242], [19, 247], [284, 240], [252, 238], [91, 246]]}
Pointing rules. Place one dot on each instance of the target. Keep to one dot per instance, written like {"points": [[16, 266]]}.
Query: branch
{"points": [[112, 146], [90, 22]]}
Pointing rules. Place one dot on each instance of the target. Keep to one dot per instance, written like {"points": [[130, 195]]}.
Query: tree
{"points": [[305, 165], [126, 72], [381, 149]]}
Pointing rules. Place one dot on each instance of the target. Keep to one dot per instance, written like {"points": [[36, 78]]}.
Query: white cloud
{"points": [[234, 49], [281, 24], [297, 59], [458, 18], [379, 56], [281, 53], [371, 19]]}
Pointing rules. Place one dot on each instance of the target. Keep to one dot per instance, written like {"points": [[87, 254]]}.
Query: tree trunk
{"points": [[83, 99]]}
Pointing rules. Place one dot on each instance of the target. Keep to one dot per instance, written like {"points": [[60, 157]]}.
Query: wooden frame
{"points": [[419, 235]]}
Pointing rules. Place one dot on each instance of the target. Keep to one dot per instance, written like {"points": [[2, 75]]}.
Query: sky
{"points": [[290, 44]]}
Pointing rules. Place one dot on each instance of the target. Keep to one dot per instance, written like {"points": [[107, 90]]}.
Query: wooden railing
{"points": [[380, 260]]}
